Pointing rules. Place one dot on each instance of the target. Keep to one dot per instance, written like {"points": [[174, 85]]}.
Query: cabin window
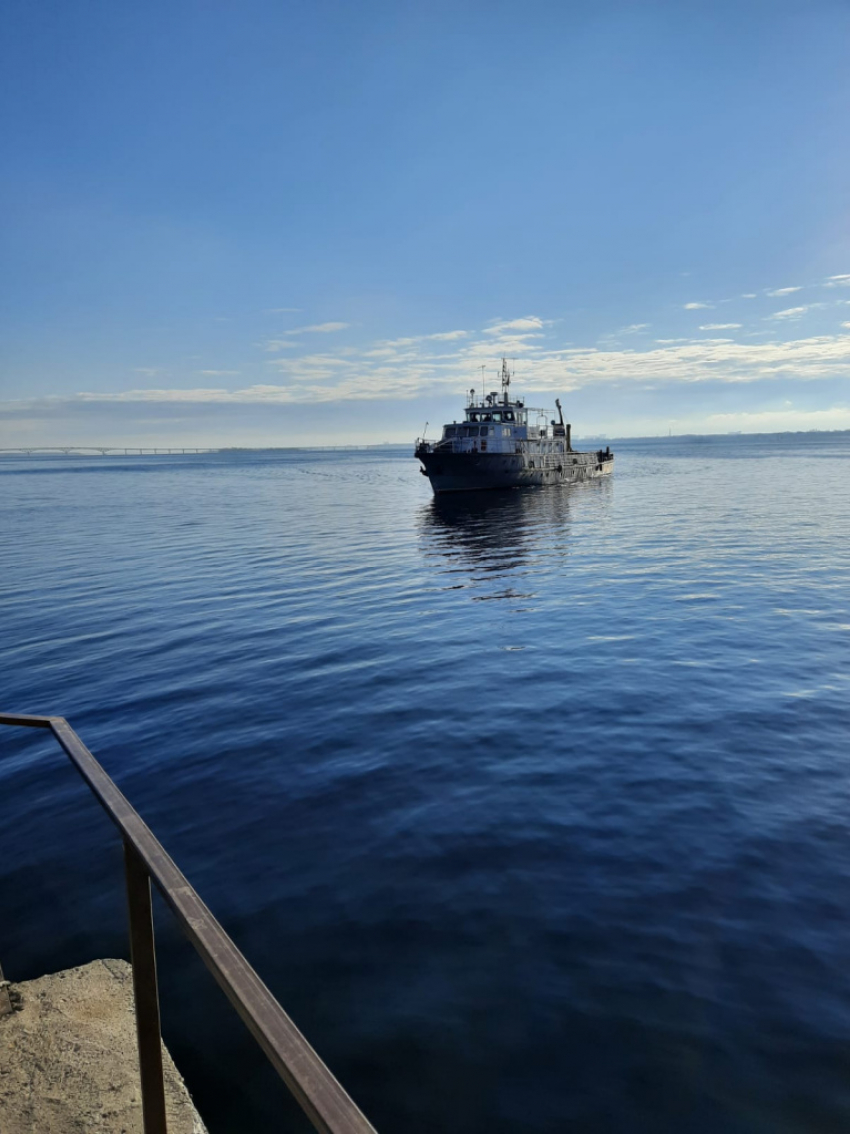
{"points": [[472, 431], [506, 431], [509, 416], [497, 417], [449, 431]]}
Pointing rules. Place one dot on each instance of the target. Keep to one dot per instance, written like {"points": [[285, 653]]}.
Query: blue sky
{"points": [[281, 223]]}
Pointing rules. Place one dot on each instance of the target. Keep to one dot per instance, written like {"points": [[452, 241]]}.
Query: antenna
{"points": [[506, 381]]}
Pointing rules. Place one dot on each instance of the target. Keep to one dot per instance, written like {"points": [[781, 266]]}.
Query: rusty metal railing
{"points": [[321, 1097]]}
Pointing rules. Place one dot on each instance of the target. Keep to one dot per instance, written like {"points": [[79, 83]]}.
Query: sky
{"points": [[304, 223]]}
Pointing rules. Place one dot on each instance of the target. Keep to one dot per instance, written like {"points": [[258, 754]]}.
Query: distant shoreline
{"points": [[206, 450]]}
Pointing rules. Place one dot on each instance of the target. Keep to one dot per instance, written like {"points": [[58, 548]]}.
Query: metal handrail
{"points": [[325, 1102]]}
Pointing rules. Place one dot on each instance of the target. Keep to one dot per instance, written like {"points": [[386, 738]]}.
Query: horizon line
{"points": [[172, 450]]}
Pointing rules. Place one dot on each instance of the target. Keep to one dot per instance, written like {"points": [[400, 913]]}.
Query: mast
{"points": [[563, 430], [506, 381]]}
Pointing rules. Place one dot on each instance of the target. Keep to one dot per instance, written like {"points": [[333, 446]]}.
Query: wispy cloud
{"points": [[286, 342], [789, 313], [777, 291], [527, 323], [697, 306], [749, 295], [148, 371], [720, 326], [319, 329], [273, 345], [218, 373], [613, 338], [838, 281]]}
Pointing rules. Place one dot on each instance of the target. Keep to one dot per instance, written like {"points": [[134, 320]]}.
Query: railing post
{"points": [[323, 1100], [146, 995]]}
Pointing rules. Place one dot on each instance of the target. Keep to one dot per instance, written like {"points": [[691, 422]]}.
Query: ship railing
{"points": [[324, 1101], [446, 445]]}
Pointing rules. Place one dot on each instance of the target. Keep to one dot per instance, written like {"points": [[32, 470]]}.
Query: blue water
{"points": [[531, 808]]}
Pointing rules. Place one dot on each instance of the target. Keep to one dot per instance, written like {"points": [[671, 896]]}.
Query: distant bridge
{"points": [[134, 450], [90, 450]]}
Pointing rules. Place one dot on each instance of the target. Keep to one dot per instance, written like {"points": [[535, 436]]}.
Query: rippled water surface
{"points": [[532, 807]]}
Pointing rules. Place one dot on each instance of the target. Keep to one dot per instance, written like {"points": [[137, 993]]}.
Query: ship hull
{"points": [[470, 472]]}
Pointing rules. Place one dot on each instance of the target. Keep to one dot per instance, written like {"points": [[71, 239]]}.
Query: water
{"points": [[531, 808]]}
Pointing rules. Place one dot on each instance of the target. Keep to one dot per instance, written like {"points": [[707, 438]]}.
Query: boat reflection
{"points": [[498, 535]]}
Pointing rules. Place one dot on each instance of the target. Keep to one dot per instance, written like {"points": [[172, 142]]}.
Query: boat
{"points": [[503, 443]]}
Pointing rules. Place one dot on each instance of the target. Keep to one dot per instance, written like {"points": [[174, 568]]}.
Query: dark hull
{"points": [[465, 472]]}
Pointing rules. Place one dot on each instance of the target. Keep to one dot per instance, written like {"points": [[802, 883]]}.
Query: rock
{"points": [[69, 1062]]}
